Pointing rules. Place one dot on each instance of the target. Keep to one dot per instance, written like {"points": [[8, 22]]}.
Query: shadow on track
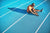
{"points": [[23, 11]]}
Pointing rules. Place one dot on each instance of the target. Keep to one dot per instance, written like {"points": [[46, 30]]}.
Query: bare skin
{"points": [[30, 7]]}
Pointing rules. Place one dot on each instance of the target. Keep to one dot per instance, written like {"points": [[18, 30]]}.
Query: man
{"points": [[30, 9]]}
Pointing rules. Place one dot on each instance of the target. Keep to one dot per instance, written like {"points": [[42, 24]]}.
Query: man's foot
{"points": [[41, 10], [37, 15]]}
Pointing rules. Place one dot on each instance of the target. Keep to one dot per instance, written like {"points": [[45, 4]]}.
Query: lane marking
{"points": [[5, 14], [14, 9], [18, 19], [42, 23], [41, 3], [16, 22], [9, 4]]}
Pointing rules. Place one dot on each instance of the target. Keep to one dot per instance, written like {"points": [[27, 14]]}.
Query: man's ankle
{"points": [[37, 15]]}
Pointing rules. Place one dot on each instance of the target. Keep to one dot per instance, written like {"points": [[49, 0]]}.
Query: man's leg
{"points": [[38, 10], [35, 13]]}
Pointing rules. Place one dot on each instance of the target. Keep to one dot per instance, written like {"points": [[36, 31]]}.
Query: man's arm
{"points": [[31, 10]]}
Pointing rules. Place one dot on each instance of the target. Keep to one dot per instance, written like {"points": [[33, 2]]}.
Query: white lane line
{"points": [[41, 3], [49, 12], [16, 7], [9, 4], [42, 23], [15, 22], [5, 14]]}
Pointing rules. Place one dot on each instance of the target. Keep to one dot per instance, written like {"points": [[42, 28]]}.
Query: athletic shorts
{"points": [[32, 11]]}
